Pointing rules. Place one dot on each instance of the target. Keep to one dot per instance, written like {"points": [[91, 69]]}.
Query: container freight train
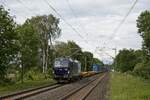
{"points": [[66, 69], [98, 68]]}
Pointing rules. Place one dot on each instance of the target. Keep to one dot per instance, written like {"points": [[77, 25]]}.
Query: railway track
{"points": [[78, 93], [28, 93], [83, 92]]}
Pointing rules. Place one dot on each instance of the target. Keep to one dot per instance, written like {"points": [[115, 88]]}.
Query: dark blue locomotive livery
{"points": [[66, 69]]}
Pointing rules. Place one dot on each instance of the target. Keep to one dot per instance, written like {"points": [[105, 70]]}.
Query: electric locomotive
{"points": [[66, 69]]}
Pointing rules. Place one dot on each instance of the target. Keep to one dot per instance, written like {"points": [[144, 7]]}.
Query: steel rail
{"points": [[29, 92], [65, 97]]}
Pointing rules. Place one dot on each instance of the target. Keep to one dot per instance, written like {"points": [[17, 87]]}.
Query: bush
{"points": [[142, 70]]}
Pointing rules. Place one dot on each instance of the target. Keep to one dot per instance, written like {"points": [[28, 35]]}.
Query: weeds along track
{"points": [[83, 92], [30, 92]]}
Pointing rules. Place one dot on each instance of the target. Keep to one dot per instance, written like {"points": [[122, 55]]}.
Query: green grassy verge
{"points": [[7, 89], [127, 87]]}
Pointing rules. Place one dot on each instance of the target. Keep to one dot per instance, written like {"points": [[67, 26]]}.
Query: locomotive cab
{"points": [[61, 68], [66, 69]]}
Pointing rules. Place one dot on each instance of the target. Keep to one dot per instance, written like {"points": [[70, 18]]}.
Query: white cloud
{"points": [[99, 18]]}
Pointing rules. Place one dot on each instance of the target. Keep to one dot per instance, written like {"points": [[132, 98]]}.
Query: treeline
{"points": [[137, 61], [27, 51]]}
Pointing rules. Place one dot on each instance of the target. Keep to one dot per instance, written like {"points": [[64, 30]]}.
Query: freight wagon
{"points": [[96, 68]]}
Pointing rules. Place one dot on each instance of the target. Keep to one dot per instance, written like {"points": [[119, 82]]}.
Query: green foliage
{"points": [[143, 24], [47, 25], [35, 74], [133, 62], [8, 39], [26, 49], [126, 60], [71, 49], [68, 49], [88, 57], [138, 61], [97, 61], [143, 70], [28, 46], [48, 29]]}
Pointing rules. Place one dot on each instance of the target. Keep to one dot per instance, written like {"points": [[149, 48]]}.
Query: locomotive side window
{"points": [[65, 64]]}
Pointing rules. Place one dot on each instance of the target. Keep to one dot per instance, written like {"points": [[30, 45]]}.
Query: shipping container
{"points": [[96, 68]]}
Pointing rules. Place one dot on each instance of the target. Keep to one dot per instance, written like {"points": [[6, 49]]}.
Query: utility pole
{"points": [[21, 66], [85, 67], [114, 58], [22, 73], [115, 61]]}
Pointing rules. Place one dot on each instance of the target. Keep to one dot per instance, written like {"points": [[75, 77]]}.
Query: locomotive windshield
{"points": [[57, 64], [61, 63]]}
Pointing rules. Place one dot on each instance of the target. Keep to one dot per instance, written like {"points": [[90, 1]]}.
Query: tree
{"points": [[71, 49], [97, 61], [61, 49], [28, 46], [88, 60], [139, 54], [126, 60], [143, 70], [74, 50], [47, 27], [143, 24], [8, 39]]}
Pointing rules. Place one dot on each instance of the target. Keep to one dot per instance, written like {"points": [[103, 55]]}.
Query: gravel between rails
{"points": [[100, 91], [58, 93], [83, 92]]}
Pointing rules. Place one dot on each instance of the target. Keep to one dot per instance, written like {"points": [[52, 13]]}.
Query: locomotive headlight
{"points": [[66, 69], [53, 72], [68, 72]]}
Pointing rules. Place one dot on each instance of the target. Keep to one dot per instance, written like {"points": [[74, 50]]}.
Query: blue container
{"points": [[96, 68]]}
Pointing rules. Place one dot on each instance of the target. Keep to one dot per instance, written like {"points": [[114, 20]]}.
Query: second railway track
{"points": [[27, 93], [75, 91]]}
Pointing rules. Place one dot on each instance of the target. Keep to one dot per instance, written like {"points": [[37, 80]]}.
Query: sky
{"points": [[94, 21]]}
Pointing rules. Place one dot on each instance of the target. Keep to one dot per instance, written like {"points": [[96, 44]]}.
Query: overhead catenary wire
{"points": [[75, 16], [79, 23], [115, 30], [85, 41], [28, 8], [76, 31], [19, 1], [123, 20], [65, 20]]}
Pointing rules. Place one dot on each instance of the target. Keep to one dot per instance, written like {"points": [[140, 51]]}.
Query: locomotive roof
{"points": [[64, 58], [67, 58]]}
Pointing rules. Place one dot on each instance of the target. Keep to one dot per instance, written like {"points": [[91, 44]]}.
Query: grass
{"points": [[7, 89], [127, 87]]}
